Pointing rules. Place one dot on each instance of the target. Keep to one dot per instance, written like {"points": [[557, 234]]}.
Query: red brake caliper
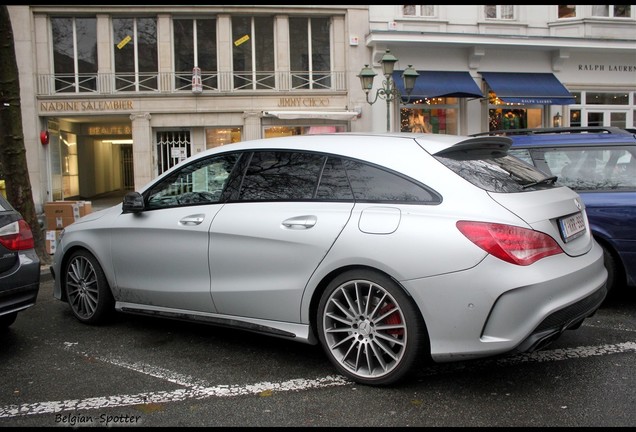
{"points": [[392, 319]]}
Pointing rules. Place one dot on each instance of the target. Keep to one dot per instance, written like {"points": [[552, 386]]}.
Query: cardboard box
{"points": [[60, 214], [52, 236]]}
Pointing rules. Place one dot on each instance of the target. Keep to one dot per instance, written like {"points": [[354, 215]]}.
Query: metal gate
{"points": [[172, 148], [127, 173]]}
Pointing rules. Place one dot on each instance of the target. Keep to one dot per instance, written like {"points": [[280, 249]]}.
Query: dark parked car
{"points": [[600, 164], [19, 265]]}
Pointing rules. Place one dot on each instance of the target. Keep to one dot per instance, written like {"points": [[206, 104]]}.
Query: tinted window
{"points": [[277, 175], [334, 184], [503, 173], [370, 183], [201, 182]]}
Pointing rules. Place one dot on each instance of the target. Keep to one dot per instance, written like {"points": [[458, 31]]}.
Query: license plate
{"points": [[572, 226]]}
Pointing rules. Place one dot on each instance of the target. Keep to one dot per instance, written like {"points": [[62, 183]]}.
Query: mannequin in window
{"points": [[511, 120], [417, 123]]}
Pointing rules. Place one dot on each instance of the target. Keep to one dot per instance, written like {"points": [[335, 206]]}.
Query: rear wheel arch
{"points": [[413, 348], [324, 283]]}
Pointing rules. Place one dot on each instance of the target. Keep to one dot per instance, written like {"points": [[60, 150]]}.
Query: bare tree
{"points": [[13, 161]]}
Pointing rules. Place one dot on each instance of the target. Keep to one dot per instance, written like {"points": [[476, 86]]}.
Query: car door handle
{"points": [[300, 222], [192, 219]]}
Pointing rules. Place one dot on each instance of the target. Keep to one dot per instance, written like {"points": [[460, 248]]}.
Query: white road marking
{"points": [[196, 389]]}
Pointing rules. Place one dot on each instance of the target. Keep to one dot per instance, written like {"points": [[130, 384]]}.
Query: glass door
{"points": [[607, 118]]}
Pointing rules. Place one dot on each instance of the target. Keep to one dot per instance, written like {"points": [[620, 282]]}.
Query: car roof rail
{"points": [[557, 130]]}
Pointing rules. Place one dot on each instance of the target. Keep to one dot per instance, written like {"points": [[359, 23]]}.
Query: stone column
{"points": [[251, 125], [143, 159]]}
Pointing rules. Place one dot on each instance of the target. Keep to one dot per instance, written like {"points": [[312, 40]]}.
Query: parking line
{"points": [[196, 389]]}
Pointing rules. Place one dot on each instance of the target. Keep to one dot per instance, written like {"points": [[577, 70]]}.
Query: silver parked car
{"points": [[387, 249]]}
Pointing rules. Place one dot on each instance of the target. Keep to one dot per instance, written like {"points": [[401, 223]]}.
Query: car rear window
{"points": [[501, 173], [586, 168]]}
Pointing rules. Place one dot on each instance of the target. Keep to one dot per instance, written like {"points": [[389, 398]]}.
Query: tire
{"points": [[7, 320], [614, 273], [87, 289], [376, 342]]}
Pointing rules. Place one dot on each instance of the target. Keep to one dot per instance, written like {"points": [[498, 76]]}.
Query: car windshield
{"points": [[501, 173]]}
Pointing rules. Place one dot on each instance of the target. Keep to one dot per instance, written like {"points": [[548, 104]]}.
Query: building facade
{"points": [[112, 96], [510, 66]]}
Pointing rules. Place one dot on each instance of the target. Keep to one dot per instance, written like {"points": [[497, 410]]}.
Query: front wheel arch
{"points": [[85, 288]]}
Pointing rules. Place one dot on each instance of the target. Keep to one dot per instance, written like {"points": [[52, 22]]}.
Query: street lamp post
{"points": [[388, 91]]}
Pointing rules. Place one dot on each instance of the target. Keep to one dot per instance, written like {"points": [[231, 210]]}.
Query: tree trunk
{"points": [[13, 161]]}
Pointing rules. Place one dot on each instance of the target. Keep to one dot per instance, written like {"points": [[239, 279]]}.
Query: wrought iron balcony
{"points": [[182, 82]]}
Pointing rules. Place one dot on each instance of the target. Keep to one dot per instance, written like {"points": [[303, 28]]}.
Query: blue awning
{"points": [[528, 88], [439, 84]]}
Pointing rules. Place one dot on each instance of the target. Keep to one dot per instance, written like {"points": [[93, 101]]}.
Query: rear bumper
{"points": [[22, 287], [497, 308], [570, 317]]}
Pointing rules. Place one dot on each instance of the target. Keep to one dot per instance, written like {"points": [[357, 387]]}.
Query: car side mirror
{"points": [[133, 202]]}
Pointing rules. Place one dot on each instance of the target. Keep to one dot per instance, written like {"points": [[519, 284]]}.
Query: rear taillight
{"points": [[17, 236], [513, 244]]}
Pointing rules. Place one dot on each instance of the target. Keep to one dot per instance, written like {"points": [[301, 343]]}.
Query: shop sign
{"points": [[607, 68], [87, 106], [110, 130], [308, 102]]}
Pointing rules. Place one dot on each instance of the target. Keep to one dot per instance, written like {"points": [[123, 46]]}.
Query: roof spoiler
{"points": [[489, 146]]}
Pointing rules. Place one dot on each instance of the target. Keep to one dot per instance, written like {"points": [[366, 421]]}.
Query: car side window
{"points": [[201, 182], [334, 184], [370, 183], [281, 175]]}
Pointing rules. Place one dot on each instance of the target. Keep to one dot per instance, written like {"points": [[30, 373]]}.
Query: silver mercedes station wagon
{"points": [[389, 250]]}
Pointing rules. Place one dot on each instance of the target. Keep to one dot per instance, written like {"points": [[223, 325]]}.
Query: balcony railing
{"points": [[181, 82]]}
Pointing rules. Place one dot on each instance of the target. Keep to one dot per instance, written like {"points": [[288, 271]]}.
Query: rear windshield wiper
{"points": [[545, 180]]}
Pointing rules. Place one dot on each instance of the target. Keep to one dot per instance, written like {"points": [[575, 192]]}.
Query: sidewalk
{"points": [[45, 273]]}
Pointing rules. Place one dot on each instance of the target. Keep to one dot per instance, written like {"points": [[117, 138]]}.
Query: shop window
{"points": [[75, 54], [434, 115], [594, 98], [218, 136], [503, 116], [252, 48], [516, 118], [195, 46], [310, 52], [280, 131], [135, 47], [602, 109]]}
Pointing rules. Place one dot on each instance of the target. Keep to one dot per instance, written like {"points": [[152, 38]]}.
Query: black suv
{"points": [[600, 164], [19, 265]]}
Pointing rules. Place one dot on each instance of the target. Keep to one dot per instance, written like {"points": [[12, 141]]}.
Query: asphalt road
{"points": [[140, 371]]}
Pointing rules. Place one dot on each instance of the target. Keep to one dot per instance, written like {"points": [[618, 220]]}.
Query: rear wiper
{"points": [[545, 180]]}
